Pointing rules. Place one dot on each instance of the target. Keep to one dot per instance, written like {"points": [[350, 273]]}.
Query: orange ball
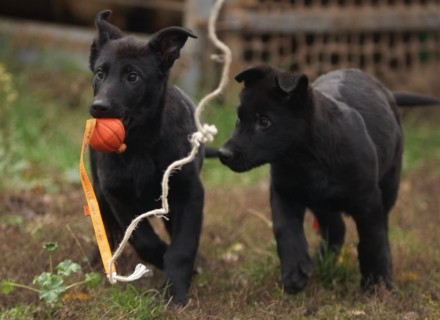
{"points": [[108, 136]]}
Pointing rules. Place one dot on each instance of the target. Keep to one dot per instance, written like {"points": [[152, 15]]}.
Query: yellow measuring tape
{"points": [[92, 207]]}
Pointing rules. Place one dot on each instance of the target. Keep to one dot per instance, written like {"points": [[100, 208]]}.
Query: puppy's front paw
{"points": [[375, 284], [169, 292], [296, 280]]}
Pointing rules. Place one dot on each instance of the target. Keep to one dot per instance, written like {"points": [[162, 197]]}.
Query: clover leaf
{"points": [[50, 246], [67, 267]]}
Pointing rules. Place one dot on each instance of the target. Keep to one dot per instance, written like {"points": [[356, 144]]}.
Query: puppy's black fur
{"points": [[333, 146], [130, 82]]}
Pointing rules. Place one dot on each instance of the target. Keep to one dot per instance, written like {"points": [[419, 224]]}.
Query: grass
{"points": [[422, 139], [134, 304], [42, 144], [238, 272]]}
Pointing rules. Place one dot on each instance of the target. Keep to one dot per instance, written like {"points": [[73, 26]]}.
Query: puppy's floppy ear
{"points": [[289, 82], [252, 74], [106, 32], [166, 44]]}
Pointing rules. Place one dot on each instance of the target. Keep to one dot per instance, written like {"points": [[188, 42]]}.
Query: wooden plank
{"points": [[331, 20], [73, 40], [196, 15], [171, 5]]}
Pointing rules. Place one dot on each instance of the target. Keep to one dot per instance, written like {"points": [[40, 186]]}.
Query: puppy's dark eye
{"points": [[132, 77], [263, 123], [99, 74]]}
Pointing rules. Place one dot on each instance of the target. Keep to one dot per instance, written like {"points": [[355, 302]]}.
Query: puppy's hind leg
{"points": [[389, 186], [332, 231], [373, 248], [147, 244]]}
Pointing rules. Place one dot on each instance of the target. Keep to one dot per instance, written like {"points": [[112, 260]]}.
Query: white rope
{"points": [[205, 133]]}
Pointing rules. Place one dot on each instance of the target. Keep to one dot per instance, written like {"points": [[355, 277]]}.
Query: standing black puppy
{"points": [[334, 146], [130, 82]]}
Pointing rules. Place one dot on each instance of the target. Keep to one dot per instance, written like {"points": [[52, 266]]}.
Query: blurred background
{"points": [[396, 40]]}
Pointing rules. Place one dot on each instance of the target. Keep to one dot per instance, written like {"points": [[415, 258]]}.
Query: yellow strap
{"points": [[92, 207]]}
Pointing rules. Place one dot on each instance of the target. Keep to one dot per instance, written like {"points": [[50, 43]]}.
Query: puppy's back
{"points": [[352, 88], [355, 92]]}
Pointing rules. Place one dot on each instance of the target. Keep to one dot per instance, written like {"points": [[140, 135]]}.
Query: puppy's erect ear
{"points": [[289, 82], [106, 32], [252, 74], [166, 44]]}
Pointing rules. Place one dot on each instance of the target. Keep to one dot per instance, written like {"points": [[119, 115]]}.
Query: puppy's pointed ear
{"points": [[252, 74], [290, 82], [166, 44], [106, 32]]}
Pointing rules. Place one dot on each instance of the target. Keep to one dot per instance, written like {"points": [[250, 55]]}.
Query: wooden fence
{"points": [[396, 40]]}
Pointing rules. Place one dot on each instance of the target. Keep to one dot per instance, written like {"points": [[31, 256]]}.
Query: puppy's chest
{"points": [[139, 176], [313, 186]]}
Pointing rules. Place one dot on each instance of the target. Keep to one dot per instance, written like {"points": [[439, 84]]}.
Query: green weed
{"points": [[51, 285], [135, 305], [336, 269], [422, 142], [263, 265], [8, 96], [18, 312]]}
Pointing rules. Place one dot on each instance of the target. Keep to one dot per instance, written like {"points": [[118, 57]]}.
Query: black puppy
{"points": [[333, 146], [130, 82]]}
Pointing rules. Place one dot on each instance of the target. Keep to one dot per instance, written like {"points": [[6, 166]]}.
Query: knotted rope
{"points": [[205, 133]]}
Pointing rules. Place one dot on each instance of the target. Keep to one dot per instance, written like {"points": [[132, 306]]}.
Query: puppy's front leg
{"points": [[144, 240], [186, 215], [288, 218]]}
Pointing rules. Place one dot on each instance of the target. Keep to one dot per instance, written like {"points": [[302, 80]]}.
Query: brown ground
{"points": [[238, 274]]}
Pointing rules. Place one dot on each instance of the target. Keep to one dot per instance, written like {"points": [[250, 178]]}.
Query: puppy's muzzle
{"points": [[99, 109], [225, 155]]}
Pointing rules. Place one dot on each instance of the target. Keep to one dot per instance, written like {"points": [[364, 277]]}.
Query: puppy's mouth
{"points": [[125, 121], [240, 167], [237, 163]]}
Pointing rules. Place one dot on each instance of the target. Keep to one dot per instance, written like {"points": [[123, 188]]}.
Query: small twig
{"points": [[24, 287], [261, 217], [50, 263], [79, 245], [76, 284]]}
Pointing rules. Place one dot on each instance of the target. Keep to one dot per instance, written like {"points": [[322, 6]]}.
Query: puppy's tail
{"points": [[407, 99]]}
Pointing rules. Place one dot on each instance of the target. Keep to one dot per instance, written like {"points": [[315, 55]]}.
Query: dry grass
{"points": [[238, 271]]}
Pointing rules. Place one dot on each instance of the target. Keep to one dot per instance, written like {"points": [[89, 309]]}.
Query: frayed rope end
{"points": [[139, 272]]}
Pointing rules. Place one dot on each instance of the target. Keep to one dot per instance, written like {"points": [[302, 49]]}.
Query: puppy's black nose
{"points": [[99, 107], [225, 155]]}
